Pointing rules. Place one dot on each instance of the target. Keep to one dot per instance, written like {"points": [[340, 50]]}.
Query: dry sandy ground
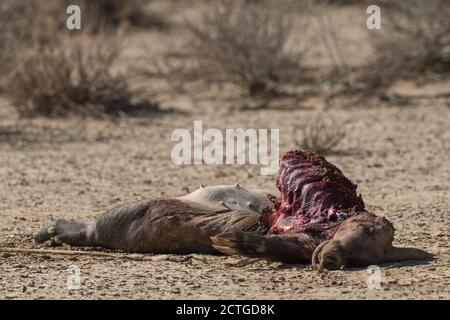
{"points": [[79, 168], [398, 156]]}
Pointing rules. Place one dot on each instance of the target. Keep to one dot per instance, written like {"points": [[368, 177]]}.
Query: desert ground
{"points": [[77, 168], [72, 169]]}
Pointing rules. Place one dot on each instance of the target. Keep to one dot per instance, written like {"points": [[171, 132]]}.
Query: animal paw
{"points": [[62, 231]]}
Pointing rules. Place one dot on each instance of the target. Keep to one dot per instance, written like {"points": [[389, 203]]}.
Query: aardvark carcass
{"points": [[317, 217]]}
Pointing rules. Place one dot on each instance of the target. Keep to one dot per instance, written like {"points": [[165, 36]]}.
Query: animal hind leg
{"points": [[284, 248], [75, 233]]}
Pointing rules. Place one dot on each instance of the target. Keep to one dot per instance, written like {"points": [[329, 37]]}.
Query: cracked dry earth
{"points": [[398, 156]]}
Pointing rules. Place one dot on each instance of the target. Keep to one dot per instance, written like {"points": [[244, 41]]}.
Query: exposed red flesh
{"points": [[312, 192]]}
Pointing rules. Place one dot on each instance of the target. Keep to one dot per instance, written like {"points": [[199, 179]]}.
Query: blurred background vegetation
{"points": [[263, 51]]}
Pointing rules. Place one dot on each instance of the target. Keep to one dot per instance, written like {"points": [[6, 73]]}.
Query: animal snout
{"points": [[331, 261], [328, 255]]}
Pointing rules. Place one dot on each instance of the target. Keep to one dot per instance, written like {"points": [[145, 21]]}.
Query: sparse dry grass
{"points": [[319, 133]]}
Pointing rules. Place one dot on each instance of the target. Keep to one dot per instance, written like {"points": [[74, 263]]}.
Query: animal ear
{"points": [[401, 254]]}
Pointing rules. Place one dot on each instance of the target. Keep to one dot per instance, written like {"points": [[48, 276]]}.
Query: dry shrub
{"points": [[242, 43], [245, 44], [101, 14], [319, 133], [73, 76], [341, 2], [22, 21], [113, 11], [55, 72], [415, 40]]}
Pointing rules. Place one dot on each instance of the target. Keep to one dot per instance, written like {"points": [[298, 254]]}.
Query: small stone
{"points": [[178, 258], [199, 257], [405, 282], [136, 256], [160, 257]]}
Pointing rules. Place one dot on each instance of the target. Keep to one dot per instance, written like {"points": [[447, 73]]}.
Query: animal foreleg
{"points": [[284, 248]]}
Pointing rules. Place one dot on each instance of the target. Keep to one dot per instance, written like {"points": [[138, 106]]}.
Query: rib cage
{"points": [[312, 192]]}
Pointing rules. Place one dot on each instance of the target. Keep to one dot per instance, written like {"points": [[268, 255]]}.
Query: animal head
{"points": [[363, 240]]}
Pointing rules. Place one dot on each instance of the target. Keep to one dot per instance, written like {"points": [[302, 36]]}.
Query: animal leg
{"points": [[284, 248], [75, 233]]}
